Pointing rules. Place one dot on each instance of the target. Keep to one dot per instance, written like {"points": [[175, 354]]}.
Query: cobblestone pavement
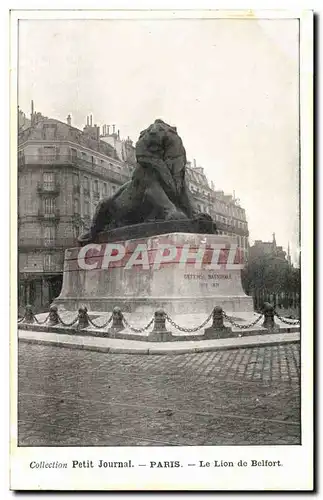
{"points": [[236, 397]]}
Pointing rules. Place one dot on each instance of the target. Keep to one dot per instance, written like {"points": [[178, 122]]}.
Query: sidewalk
{"points": [[120, 346]]}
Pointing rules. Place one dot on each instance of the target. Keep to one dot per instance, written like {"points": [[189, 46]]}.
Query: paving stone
{"points": [[235, 397]]}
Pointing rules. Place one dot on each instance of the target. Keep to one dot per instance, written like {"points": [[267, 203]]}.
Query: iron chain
{"points": [[242, 327], [100, 326], [188, 330], [137, 330], [287, 321], [68, 324]]}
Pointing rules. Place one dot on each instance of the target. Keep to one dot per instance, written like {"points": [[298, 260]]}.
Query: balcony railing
{"points": [[59, 243], [101, 170], [231, 229], [54, 215], [48, 188]]}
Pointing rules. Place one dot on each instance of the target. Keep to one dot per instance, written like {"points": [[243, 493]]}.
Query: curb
{"points": [[218, 345]]}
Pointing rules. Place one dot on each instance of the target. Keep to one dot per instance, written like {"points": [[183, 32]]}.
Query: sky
{"points": [[230, 87]]}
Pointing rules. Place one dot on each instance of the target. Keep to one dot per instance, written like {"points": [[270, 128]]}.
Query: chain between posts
{"points": [[137, 330], [242, 327], [100, 326], [168, 318], [188, 330], [287, 321], [67, 324]]}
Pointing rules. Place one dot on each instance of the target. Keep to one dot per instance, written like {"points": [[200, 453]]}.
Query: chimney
{"points": [[113, 129], [108, 129], [118, 134], [91, 120], [32, 108], [103, 130], [194, 163], [69, 120], [87, 121]]}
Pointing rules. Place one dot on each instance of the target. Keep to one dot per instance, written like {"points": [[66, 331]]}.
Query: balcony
{"points": [[44, 188], [49, 216], [231, 229], [100, 170], [45, 243]]}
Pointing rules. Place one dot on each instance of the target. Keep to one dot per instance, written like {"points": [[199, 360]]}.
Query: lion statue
{"points": [[157, 190]]}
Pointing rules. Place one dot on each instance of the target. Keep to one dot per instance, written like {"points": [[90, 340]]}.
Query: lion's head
{"points": [[160, 139]]}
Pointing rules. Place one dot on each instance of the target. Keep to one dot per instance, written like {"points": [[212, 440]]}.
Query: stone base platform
{"points": [[147, 306], [182, 273], [149, 229]]}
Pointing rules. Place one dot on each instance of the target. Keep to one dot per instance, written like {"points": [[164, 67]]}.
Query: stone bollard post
{"points": [[269, 321], [83, 320], [217, 330], [160, 333], [53, 316], [117, 321], [29, 315]]}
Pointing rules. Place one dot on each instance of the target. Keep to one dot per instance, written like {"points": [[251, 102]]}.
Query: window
{"points": [[73, 153], [48, 180], [48, 177], [76, 231], [92, 160], [48, 262], [86, 183], [76, 206], [114, 189], [49, 131], [49, 234], [96, 186], [83, 156], [86, 208], [49, 205], [105, 189], [76, 180], [199, 207], [49, 153]]}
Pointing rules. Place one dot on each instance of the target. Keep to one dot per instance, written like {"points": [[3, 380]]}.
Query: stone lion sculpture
{"points": [[157, 190]]}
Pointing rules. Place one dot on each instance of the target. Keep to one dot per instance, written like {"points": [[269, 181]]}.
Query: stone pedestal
{"points": [[178, 272]]}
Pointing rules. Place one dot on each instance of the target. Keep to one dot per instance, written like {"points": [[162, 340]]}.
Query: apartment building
{"points": [[225, 209], [62, 174]]}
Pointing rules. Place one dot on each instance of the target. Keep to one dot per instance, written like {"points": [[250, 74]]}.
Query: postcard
{"points": [[161, 250]]}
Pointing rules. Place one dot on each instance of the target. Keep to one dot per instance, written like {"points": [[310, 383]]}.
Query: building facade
{"points": [[271, 277], [62, 174], [225, 210]]}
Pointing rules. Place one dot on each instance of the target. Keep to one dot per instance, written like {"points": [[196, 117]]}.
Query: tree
{"points": [[269, 277]]}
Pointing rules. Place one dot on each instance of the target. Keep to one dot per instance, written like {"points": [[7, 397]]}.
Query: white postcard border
{"points": [[297, 470]]}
